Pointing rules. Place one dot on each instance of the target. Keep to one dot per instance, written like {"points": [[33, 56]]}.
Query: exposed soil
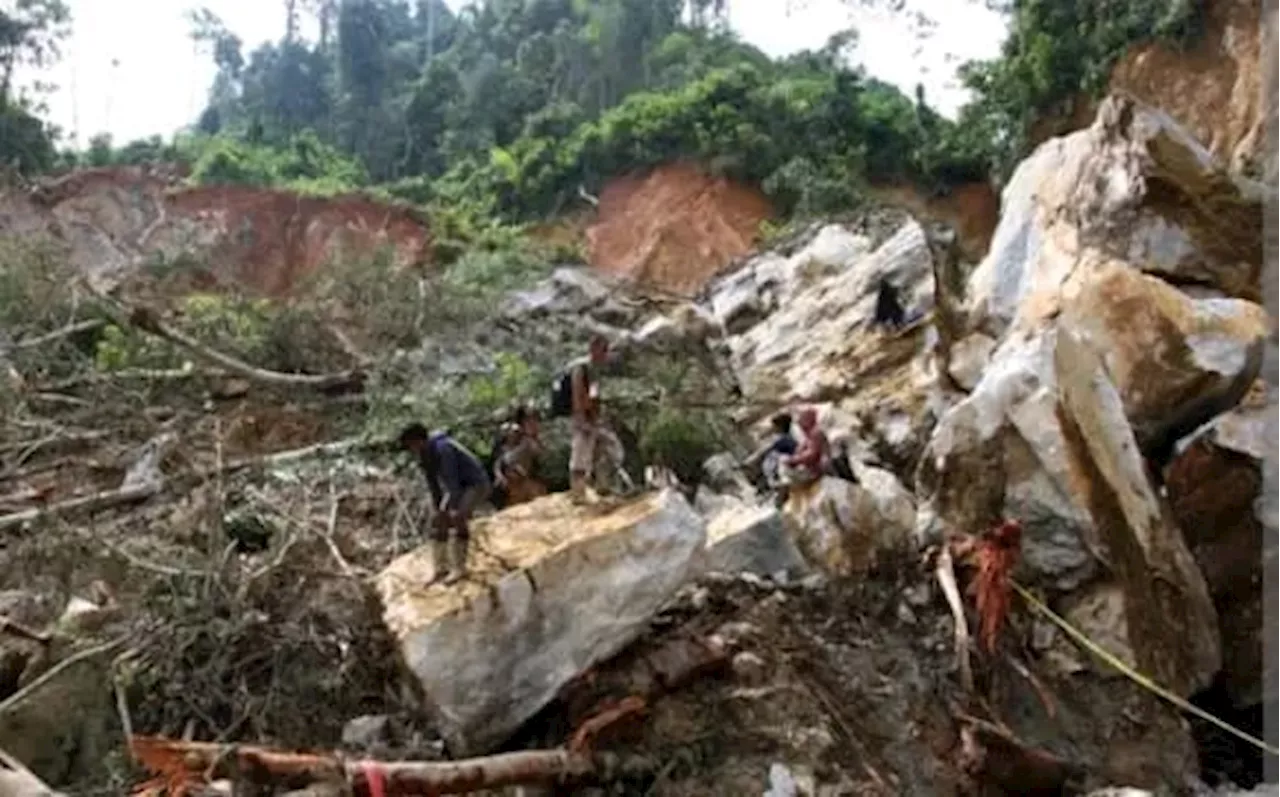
{"points": [[269, 241], [1213, 88], [675, 227]]}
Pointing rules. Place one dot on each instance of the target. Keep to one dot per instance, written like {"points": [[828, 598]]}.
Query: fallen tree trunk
{"points": [[286, 457], [180, 763], [148, 321], [59, 334], [84, 503]]}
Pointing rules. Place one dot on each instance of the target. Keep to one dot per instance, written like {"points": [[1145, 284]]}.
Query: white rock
{"points": [[1092, 190], [843, 527], [553, 589], [752, 539]]}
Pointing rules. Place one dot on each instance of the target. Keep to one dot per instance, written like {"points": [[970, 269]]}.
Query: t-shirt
{"points": [[784, 444], [457, 468]]}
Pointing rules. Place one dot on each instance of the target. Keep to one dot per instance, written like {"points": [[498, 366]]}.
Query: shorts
{"points": [[592, 441]]}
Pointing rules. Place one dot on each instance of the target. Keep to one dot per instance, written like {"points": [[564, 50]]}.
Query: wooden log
{"points": [[183, 764]]}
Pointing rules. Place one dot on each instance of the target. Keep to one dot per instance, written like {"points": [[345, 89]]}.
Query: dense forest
{"points": [[511, 108]]}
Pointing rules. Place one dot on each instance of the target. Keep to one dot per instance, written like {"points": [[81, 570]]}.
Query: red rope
{"points": [[374, 778]]}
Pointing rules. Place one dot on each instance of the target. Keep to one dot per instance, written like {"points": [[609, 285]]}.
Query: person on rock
{"points": [[513, 471], [889, 312], [768, 457], [458, 483], [596, 452], [812, 460]]}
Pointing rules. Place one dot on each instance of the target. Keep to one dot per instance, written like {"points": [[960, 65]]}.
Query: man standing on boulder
{"points": [[595, 447], [458, 483]]}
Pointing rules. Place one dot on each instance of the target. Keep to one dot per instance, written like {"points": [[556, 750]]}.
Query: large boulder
{"points": [[1044, 439], [1133, 187], [1214, 485], [553, 590], [751, 538], [1169, 620], [843, 528], [800, 330], [1177, 360], [1102, 360]]}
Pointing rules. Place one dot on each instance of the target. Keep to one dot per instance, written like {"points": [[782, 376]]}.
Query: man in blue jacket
{"points": [[458, 483]]}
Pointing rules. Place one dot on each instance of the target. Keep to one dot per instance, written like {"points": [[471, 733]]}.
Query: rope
{"points": [[1137, 677]]}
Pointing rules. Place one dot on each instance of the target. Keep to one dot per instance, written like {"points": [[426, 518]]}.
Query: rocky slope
{"points": [[1109, 384], [1108, 377]]}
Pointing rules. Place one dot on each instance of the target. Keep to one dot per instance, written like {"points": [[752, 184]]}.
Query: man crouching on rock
{"points": [[458, 484]]}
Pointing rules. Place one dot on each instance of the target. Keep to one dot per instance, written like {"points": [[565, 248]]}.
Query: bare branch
{"points": [[148, 321], [22, 694], [59, 334], [18, 781], [85, 503], [185, 760]]}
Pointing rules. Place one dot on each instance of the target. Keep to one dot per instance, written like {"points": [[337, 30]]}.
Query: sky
{"points": [[129, 67]]}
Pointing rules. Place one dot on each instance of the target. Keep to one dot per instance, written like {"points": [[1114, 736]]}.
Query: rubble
{"points": [[268, 590]]}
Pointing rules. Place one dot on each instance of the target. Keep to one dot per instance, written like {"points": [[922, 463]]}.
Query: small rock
{"points": [[917, 595], [749, 668], [700, 598], [367, 733], [813, 582], [781, 782], [905, 615], [736, 633]]}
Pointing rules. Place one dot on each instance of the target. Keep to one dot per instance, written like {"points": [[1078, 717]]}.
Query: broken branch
{"points": [[180, 763], [148, 321], [946, 574], [8, 626], [286, 457], [18, 781], [59, 334], [85, 503]]}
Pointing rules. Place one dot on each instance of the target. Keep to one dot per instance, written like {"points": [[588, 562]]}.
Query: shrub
{"points": [[681, 441]]}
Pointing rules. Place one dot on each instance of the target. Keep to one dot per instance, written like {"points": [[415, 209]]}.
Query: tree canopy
{"points": [[509, 108]]}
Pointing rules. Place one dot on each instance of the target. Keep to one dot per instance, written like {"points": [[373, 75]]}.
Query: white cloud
{"points": [[129, 67]]}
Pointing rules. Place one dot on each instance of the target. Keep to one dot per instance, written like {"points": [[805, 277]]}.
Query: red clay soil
{"points": [[270, 240], [265, 240], [674, 227]]}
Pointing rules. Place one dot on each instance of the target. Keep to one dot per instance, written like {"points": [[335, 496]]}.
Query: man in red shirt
{"points": [[812, 459]]}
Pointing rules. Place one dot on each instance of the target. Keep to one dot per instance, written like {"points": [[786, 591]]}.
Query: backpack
{"points": [[562, 394]]}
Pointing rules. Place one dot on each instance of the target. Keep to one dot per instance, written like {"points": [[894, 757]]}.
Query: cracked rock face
{"points": [[1120, 293]]}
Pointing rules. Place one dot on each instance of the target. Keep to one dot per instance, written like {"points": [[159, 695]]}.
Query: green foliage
{"points": [[304, 164], [229, 323], [680, 440], [26, 143], [1058, 52], [505, 109]]}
